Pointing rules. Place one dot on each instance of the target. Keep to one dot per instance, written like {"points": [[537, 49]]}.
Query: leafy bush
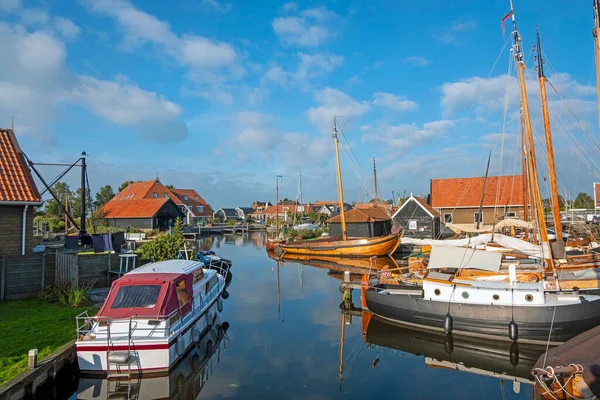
{"points": [[68, 295], [165, 246]]}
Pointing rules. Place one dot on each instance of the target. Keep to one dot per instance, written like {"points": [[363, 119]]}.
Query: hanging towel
{"points": [[107, 242], [98, 243]]}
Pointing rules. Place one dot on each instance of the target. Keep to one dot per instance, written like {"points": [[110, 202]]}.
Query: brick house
{"points": [[457, 199], [143, 205], [18, 196]]}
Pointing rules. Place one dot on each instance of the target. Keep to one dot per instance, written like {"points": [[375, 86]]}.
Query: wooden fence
{"points": [[24, 277]]}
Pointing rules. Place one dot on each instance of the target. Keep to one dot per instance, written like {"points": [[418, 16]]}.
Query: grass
{"points": [[32, 324]]}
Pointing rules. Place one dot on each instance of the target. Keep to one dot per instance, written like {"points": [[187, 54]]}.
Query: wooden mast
{"points": [[549, 147], [596, 34], [277, 206], [524, 177], [480, 212], [375, 179], [537, 198], [339, 180]]}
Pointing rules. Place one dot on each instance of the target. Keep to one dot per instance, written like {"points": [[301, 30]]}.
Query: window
{"points": [[259, 209], [447, 218], [300, 209], [286, 209], [196, 198], [477, 217], [200, 208], [412, 224], [185, 198], [165, 195], [511, 214], [137, 296], [182, 294], [155, 195]]}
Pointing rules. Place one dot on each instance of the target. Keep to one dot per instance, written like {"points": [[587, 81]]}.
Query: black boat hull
{"points": [[485, 321]]}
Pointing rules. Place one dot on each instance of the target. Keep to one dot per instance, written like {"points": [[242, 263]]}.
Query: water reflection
{"points": [[185, 381], [294, 335]]}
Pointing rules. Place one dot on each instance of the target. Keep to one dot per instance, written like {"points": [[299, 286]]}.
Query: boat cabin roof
{"points": [[169, 267]]}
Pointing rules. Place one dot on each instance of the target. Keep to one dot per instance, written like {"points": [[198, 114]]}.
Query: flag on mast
{"points": [[507, 16]]}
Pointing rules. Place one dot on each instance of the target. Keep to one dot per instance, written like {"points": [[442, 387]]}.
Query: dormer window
{"points": [[185, 198], [196, 198], [155, 195], [165, 195]]}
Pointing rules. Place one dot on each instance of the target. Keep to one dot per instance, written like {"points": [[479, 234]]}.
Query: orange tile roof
{"points": [[142, 208], [372, 214], [290, 208], [16, 182], [326, 203], [423, 202], [190, 193], [466, 192]]}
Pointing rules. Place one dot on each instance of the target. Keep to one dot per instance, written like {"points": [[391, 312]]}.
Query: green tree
{"points": [[76, 202], [583, 200], [165, 246], [52, 207], [170, 186], [104, 195]]}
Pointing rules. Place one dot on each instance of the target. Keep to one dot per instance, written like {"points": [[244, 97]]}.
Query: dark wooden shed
{"points": [[367, 222], [418, 219]]}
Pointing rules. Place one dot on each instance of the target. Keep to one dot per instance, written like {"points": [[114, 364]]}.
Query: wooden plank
{"points": [[43, 271]]}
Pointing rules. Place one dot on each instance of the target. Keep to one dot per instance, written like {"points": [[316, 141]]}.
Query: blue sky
{"points": [[221, 96]]}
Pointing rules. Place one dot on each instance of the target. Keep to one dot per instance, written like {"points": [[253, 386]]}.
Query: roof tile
{"points": [[16, 182], [466, 192]]}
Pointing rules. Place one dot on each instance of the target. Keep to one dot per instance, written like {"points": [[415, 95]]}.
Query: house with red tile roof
{"points": [[284, 209], [365, 222], [143, 205], [457, 199], [195, 208], [329, 208], [18, 196]]}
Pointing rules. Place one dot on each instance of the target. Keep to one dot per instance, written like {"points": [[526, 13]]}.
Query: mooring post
{"points": [[32, 358]]}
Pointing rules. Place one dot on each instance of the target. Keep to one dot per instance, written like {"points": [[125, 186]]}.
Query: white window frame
{"points": [[155, 195], [412, 225], [446, 221], [508, 214], [185, 198], [200, 208]]}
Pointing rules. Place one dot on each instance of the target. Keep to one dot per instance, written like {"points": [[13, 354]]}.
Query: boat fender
{"points": [[196, 334], [196, 363], [225, 326], [225, 294], [220, 304], [449, 344], [514, 354], [180, 346], [513, 331], [209, 348], [448, 323]]}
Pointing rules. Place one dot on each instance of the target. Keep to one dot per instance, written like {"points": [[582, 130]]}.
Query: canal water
{"points": [[285, 341]]}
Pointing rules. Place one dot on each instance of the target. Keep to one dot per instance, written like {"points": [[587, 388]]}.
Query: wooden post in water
{"points": [[549, 147], [339, 179]]}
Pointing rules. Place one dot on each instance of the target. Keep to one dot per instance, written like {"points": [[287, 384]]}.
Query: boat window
{"points": [[182, 294], [208, 285], [138, 296]]}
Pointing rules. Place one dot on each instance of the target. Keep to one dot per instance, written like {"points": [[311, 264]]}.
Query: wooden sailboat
{"points": [[353, 247]]}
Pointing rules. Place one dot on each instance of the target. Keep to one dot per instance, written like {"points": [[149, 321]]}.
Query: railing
{"points": [[85, 322]]}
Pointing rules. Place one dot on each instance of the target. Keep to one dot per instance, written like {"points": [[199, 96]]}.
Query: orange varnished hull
{"points": [[365, 247], [272, 243], [344, 263]]}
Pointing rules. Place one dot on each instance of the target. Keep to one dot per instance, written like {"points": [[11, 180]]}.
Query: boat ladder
{"points": [[118, 358]]}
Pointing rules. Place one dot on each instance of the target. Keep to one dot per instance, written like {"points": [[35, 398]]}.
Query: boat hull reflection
{"points": [[185, 381], [483, 357]]}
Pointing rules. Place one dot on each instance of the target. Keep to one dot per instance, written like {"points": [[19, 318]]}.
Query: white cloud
{"points": [[10, 5], [393, 102], [217, 5], [289, 7], [34, 16], [404, 136], [37, 82], [211, 63], [334, 102], [417, 61], [310, 28], [66, 27], [310, 66], [354, 80]]}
